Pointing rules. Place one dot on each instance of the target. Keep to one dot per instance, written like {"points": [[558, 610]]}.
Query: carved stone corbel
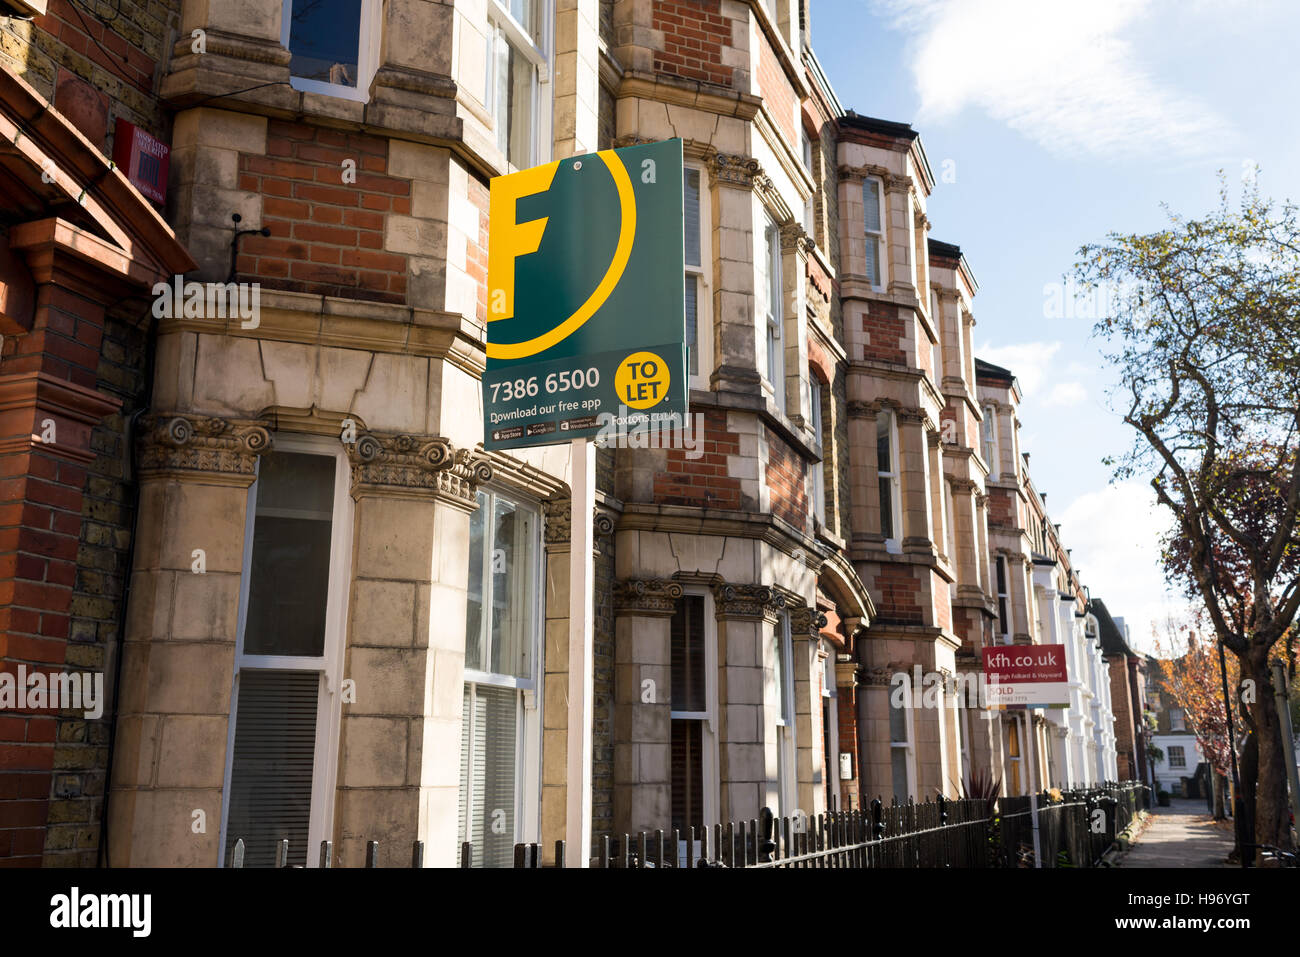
{"points": [[417, 464], [646, 596], [187, 444], [748, 601]]}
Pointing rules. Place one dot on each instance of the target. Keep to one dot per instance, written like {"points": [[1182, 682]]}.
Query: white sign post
{"points": [[577, 831]]}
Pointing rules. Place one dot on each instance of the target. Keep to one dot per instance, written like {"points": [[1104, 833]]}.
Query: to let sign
{"points": [[586, 295], [1026, 675]]}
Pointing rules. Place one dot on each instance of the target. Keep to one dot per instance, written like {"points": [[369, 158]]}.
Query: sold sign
{"points": [[585, 303]]}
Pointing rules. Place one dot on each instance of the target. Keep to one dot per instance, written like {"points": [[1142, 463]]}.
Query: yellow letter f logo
{"points": [[511, 239]]}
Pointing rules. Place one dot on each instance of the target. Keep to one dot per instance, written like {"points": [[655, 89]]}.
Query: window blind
{"points": [[272, 765], [488, 767]]}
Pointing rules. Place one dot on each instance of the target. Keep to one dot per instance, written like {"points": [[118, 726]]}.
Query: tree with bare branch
{"points": [[1204, 326]]}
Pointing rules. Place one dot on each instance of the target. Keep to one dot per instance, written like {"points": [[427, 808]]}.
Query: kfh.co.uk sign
{"points": [[1031, 676]]}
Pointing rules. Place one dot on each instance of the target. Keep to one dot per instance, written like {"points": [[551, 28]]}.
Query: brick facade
{"points": [[327, 234], [702, 481], [695, 33]]}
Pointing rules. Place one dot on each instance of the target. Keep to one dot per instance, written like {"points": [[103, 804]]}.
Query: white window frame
{"points": [[528, 727], [1182, 754], [774, 331], [909, 751], [809, 211], [709, 763], [787, 763], [500, 18], [329, 713], [874, 182], [830, 701], [815, 412], [1003, 596], [989, 440], [950, 532], [1177, 719], [703, 288], [368, 37], [893, 544]]}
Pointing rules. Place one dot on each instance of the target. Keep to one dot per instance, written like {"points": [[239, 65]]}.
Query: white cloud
{"points": [[1064, 74], [1114, 534], [1066, 394], [1028, 361]]}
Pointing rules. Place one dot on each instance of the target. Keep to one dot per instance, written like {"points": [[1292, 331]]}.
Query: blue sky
{"points": [[1058, 122]]}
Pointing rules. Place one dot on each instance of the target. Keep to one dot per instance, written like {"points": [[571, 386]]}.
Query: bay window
{"points": [[770, 282], [500, 731], [699, 326], [517, 67], [292, 614], [902, 769], [887, 481], [989, 434], [333, 45], [819, 437], [783, 667], [693, 704], [1004, 624], [874, 231]]}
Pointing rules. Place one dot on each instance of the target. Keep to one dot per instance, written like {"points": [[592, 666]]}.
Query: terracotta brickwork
{"points": [[786, 476], [695, 32], [885, 333], [702, 481], [898, 595], [777, 92], [327, 234], [116, 62]]}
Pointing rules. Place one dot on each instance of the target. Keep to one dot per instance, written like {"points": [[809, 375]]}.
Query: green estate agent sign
{"points": [[586, 284]]}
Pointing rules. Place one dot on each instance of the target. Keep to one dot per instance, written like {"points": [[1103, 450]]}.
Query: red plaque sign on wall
{"points": [[142, 158]]}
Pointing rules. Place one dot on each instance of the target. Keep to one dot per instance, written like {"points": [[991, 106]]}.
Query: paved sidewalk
{"points": [[1181, 835]]}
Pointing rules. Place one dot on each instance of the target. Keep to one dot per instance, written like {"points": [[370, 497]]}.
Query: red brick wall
{"points": [[1125, 728], [1002, 509], [898, 596], [477, 255], [786, 480], [118, 60], [66, 345], [885, 333], [40, 525], [847, 706], [695, 31], [702, 481], [327, 237], [942, 603], [777, 92]]}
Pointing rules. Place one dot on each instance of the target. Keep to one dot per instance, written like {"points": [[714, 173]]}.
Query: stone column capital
{"points": [[748, 601], [647, 597], [806, 622], [730, 169], [188, 445], [557, 525], [397, 464]]}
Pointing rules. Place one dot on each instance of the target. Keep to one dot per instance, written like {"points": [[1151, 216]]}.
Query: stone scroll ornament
{"points": [[418, 462], [652, 595], [201, 443], [748, 601]]}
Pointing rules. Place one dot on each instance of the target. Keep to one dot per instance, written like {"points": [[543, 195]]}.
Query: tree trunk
{"points": [[1218, 785], [1272, 812]]}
